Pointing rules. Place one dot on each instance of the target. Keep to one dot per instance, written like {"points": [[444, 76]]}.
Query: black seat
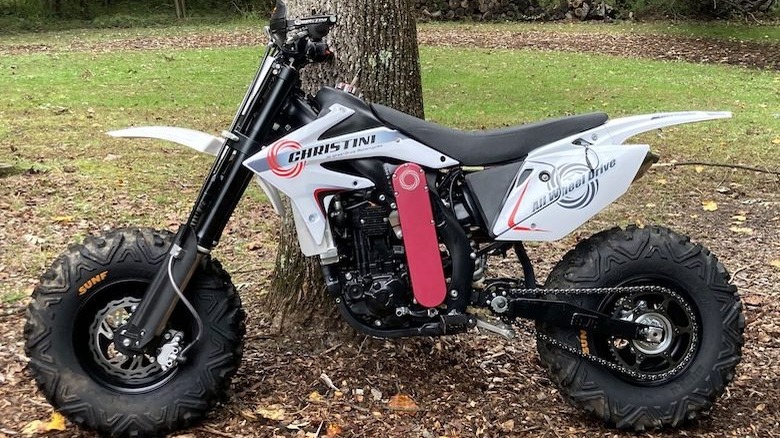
{"points": [[480, 148]]}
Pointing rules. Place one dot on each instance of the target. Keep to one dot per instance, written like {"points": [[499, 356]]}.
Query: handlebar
{"points": [[301, 38]]}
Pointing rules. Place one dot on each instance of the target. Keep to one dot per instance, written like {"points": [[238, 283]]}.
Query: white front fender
{"points": [[200, 141]]}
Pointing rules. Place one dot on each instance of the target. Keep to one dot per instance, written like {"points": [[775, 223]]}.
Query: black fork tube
{"points": [[216, 202], [228, 188]]}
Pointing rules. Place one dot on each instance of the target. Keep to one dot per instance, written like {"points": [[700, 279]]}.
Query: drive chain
{"points": [[612, 366]]}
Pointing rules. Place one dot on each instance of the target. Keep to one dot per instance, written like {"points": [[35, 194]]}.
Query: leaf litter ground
{"points": [[308, 384], [754, 54]]}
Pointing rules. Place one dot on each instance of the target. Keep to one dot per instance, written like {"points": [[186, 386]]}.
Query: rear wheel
{"points": [[699, 310], [91, 290]]}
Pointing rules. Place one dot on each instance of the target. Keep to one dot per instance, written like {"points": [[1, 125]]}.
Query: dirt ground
{"points": [[464, 386], [762, 55]]}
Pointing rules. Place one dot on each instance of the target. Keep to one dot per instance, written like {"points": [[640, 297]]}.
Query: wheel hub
{"points": [[656, 320], [671, 332], [104, 352]]}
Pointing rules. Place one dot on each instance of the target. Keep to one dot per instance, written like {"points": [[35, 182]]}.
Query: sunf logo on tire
{"points": [[89, 284], [287, 170]]}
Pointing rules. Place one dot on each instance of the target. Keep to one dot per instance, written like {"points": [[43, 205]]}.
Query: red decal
{"points": [[287, 171], [320, 194], [511, 222], [419, 232]]}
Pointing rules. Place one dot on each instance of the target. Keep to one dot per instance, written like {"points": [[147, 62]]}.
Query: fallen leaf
{"points": [[661, 181], [775, 263], [377, 394], [56, 422], [273, 412], [699, 169], [33, 240], [709, 205], [333, 429], [760, 407], [32, 428], [63, 219], [315, 397], [742, 230], [249, 415], [403, 403], [328, 382], [508, 426], [297, 425], [739, 217], [254, 246], [753, 300], [776, 141]]}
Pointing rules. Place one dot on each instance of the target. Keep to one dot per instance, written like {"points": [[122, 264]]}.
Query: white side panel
{"points": [[558, 189], [556, 193], [293, 164], [200, 141], [273, 195], [326, 249]]}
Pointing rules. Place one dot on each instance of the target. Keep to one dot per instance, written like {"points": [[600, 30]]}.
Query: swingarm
{"points": [[512, 303]]}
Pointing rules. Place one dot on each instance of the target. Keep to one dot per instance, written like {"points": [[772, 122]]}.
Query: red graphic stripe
{"points": [[511, 221]]}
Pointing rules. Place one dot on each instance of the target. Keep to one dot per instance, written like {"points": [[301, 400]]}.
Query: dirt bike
{"points": [[138, 332]]}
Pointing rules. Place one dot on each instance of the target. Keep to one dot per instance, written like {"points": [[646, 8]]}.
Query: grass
{"points": [[474, 90], [55, 109]]}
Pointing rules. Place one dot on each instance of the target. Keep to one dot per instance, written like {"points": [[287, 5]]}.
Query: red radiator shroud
{"points": [[419, 234]]}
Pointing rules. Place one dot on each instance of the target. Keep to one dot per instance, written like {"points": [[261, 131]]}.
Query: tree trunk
{"points": [[378, 40], [181, 8]]}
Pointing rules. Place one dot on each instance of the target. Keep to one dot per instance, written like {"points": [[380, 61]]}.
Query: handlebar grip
{"points": [[318, 26]]}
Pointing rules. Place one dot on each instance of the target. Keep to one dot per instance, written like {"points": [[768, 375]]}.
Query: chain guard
{"points": [[515, 293]]}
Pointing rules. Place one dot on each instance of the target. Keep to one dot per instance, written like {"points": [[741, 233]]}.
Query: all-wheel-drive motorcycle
{"points": [[138, 332]]}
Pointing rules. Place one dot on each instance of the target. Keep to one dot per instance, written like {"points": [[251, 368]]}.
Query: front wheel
{"points": [[91, 290], [684, 373]]}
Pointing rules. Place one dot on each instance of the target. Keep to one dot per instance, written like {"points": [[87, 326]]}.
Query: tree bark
{"points": [[376, 39]]}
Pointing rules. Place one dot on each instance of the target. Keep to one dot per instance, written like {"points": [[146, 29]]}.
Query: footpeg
{"points": [[499, 329]]}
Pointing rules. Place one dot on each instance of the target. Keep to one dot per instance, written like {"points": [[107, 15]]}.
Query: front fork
{"points": [[222, 189]]}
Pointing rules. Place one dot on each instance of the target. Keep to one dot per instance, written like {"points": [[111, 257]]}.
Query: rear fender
{"points": [[622, 129], [617, 131]]}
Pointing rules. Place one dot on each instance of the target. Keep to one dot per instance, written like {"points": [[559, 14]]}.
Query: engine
{"points": [[372, 271], [371, 276]]}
